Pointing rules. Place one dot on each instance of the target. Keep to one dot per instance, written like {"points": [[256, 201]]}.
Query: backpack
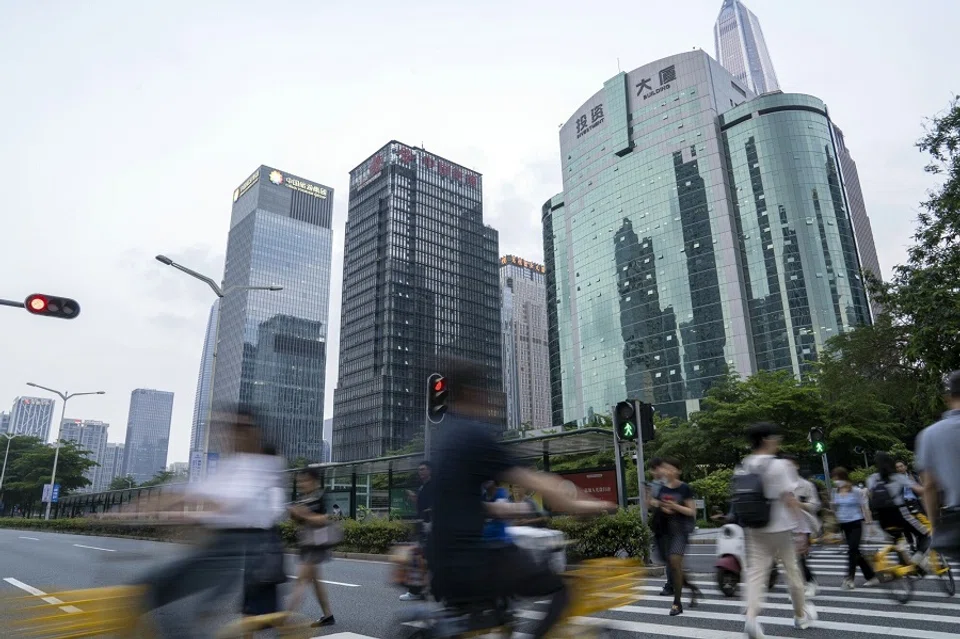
{"points": [[748, 500], [881, 501]]}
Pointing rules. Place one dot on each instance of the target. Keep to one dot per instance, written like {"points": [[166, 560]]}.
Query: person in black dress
{"points": [[311, 513], [678, 509]]}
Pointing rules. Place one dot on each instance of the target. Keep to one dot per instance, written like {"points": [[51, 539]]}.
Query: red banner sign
{"points": [[599, 484]]}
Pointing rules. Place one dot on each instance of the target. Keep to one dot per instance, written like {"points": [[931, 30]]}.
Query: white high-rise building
{"points": [[201, 402], [90, 435], [741, 48], [112, 466], [31, 416], [4, 422], [526, 353]]}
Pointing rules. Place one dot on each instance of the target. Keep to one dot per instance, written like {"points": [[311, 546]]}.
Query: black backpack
{"points": [[748, 501], [881, 501]]}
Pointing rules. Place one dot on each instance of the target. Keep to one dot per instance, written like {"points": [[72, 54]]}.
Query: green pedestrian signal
{"points": [[818, 440], [819, 447], [624, 421]]}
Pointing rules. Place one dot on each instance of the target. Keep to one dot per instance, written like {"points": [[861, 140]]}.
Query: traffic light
{"points": [[625, 421], [52, 306], [647, 429], [818, 440], [436, 397]]}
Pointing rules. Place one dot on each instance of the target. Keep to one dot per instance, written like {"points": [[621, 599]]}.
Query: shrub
{"points": [[607, 535], [714, 489]]}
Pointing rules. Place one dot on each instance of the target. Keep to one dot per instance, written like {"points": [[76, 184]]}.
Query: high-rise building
{"points": [[89, 435], [419, 285], [148, 433], [112, 466], [526, 355], [741, 48], [31, 416], [693, 238], [328, 439], [201, 402], [4, 422], [858, 213], [273, 344]]}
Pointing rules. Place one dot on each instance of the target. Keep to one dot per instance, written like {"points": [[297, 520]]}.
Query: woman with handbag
{"points": [[319, 533]]}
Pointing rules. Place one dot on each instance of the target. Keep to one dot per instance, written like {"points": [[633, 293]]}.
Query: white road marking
{"points": [[30, 538], [332, 583], [36, 592], [94, 548]]}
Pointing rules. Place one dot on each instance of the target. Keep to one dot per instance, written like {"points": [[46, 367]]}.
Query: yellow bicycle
{"points": [[900, 577]]}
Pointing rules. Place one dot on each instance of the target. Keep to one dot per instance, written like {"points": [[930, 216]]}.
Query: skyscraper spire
{"points": [[741, 48]]}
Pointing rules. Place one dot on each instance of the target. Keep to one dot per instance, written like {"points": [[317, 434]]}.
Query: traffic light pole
{"points": [[826, 474], [641, 484], [618, 465]]}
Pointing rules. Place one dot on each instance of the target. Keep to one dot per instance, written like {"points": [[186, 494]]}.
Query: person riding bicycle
{"points": [[465, 566], [887, 488]]}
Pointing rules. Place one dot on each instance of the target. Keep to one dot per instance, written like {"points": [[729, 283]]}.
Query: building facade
{"points": [[742, 49], [4, 422], [526, 355], [862, 228], [31, 416], [112, 466], [89, 435], [655, 287], [420, 285], [272, 345], [201, 402], [148, 433]]}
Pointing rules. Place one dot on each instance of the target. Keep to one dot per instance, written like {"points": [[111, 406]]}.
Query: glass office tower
{"points": [[651, 292], [148, 433], [420, 284], [742, 49], [272, 344]]}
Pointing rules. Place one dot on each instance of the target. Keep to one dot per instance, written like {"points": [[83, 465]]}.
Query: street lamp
{"points": [[56, 455], [220, 293], [3, 473]]}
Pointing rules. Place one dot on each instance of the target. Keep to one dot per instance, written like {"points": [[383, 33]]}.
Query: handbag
{"points": [[326, 536]]}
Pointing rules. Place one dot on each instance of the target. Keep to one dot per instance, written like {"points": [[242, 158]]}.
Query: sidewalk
{"points": [[873, 535]]}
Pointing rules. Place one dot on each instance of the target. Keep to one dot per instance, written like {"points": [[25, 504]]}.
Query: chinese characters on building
{"points": [[279, 179], [519, 261], [596, 119], [408, 156], [667, 76]]}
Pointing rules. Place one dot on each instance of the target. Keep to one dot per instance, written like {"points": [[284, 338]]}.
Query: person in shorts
{"points": [[311, 513]]}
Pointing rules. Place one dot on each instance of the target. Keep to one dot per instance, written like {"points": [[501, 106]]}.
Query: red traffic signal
{"points": [[52, 306], [436, 397]]}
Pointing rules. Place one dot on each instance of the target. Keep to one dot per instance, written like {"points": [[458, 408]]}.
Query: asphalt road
{"points": [[366, 606]]}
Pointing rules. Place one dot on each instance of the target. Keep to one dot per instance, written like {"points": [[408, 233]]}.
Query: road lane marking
{"points": [[94, 548], [30, 538], [332, 583], [39, 593]]}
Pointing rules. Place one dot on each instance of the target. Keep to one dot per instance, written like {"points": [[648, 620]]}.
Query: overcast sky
{"points": [[127, 126]]}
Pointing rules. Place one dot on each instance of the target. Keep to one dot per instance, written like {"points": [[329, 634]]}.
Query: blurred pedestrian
{"points": [[318, 535], [938, 449]]}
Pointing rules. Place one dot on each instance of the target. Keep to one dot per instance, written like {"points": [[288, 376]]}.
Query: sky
{"points": [[127, 126]]}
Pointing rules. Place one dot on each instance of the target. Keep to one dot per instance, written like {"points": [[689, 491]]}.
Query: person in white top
{"points": [[807, 524], [774, 541], [241, 504]]}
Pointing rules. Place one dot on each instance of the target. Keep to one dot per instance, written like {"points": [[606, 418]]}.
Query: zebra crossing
{"points": [[843, 614]]}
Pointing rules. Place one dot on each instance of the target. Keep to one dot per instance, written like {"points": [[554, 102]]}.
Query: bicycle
{"points": [[900, 578]]}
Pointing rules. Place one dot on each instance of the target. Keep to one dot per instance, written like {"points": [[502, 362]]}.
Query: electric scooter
{"points": [[730, 558]]}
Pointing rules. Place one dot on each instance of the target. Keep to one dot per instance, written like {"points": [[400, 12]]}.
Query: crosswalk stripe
{"points": [[655, 629], [711, 585], [933, 605], [820, 624]]}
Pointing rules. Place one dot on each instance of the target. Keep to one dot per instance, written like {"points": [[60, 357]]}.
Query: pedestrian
{"points": [[658, 527], [423, 500], [318, 534], [852, 513], [678, 510], [765, 488], [807, 524], [938, 449], [911, 498], [888, 505]]}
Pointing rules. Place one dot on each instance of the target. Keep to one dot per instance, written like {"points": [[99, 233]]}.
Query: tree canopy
{"points": [[30, 463]]}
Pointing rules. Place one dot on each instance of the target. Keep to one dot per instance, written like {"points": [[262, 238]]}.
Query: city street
{"points": [[365, 605]]}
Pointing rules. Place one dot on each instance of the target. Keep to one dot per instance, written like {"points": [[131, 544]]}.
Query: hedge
{"points": [[605, 536]]}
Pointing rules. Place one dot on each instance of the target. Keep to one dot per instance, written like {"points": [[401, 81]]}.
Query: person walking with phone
{"points": [[850, 508], [316, 537], [678, 509]]}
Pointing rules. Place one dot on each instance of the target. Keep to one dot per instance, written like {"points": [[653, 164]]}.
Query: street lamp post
{"points": [[3, 473], [56, 455], [220, 293]]}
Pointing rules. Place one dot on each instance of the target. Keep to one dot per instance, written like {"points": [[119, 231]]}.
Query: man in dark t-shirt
{"points": [[465, 566]]}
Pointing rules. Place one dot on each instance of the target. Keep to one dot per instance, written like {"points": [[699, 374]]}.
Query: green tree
{"points": [[163, 477], [30, 463], [924, 294], [123, 483]]}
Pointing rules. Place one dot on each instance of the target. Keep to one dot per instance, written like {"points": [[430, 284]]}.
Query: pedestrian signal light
{"points": [[436, 397], [625, 421], [818, 440], [52, 306]]}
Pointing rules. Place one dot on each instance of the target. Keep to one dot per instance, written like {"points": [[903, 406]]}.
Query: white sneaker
{"points": [[871, 583], [809, 616], [754, 630], [848, 584], [411, 597], [810, 590]]}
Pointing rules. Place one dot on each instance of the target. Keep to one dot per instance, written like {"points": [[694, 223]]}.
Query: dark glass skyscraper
{"points": [[420, 284], [148, 433], [272, 344]]}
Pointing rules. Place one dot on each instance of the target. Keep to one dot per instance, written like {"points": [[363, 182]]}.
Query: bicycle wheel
{"points": [[900, 588], [946, 578]]}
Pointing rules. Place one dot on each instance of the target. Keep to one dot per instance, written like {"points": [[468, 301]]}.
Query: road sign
{"points": [[46, 493], [700, 504]]}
